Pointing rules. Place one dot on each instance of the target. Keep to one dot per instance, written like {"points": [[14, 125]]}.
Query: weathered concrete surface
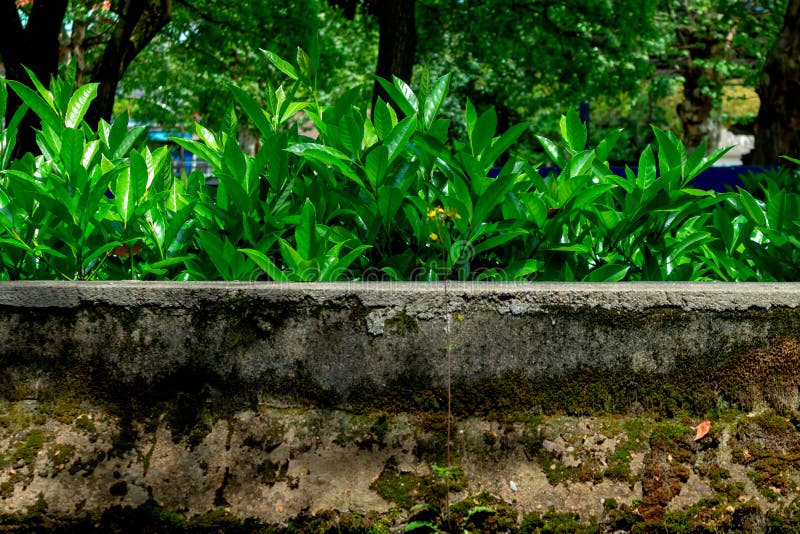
{"points": [[291, 403], [346, 336]]}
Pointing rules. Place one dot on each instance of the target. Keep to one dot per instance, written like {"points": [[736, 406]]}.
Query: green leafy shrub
{"points": [[385, 195], [56, 217]]}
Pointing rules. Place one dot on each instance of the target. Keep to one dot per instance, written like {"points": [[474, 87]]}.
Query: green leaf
{"points": [[265, 264], [647, 169], [689, 243], [503, 143], [100, 251], [6, 215], [482, 134], [300, 266], [389, 201], [396, 141], [130, 138], [35, 102], [200, 150], [581, 163], [382, 119], [305, 233], [492, 197], [233, 160], [303, 61], [138, 174], [253, 111], [377, 162], [777, 210], [552, 151], [605, 147], [471, 117], [213, 246], [207, 136], [723, 224], [79, 104], [335, 269], [573, 130], [475, 172], [124, 195], [408, 94], [328, 156], [46, 95], [670, 151], [434, 100], [3, 98], [607, 273], [292, 109], [398, 97], [71, 150], [351, 135], [752, 208], [280, 64], [496, 241]]}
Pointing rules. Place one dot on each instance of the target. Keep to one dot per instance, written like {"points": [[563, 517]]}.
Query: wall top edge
{"points": [[520, 296]]}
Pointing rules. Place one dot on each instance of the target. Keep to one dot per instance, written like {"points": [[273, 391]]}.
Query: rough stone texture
{"points": [[347, 335], [273, 465], [285, 405]]}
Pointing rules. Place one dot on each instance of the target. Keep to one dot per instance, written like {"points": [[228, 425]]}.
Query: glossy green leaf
{"points": [[128, 141], [396, 141], [492, 197], [606, 146], [382, 119], [434, 100], [281, 64], [503, 143], [40, 88], [305, 233], [253, 111], [752, 208], [573, 131], [336, 269], [377, 162], [607, 273], [265, 264], [398, 98], [552, 151], [389, 201], [497, 240], [647, 169], [72, 150], [482, 134], [79, 104], [408, 94], [124, 195], [35, 102]]}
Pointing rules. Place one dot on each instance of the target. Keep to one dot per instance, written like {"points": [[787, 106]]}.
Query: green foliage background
{"points": [[392, 196]]}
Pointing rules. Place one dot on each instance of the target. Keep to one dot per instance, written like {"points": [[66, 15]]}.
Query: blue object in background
{"points": [[719, 179]]}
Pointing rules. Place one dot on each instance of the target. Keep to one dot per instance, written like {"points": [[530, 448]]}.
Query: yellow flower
{"points": [[433, 236]]}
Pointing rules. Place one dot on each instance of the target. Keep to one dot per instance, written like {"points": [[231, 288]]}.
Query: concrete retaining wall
{"points": [[273, 404]]}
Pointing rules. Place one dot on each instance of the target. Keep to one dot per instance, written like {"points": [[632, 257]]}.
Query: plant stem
{"points": [[448, 353]]}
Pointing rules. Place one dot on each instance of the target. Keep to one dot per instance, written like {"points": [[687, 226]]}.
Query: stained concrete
{"points": [[272, 402]]}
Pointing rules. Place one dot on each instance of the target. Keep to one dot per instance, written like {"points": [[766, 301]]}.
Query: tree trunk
{"points": [[397, 45], [696, 110], [140, 21], [35, 46], [778, 123]]}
